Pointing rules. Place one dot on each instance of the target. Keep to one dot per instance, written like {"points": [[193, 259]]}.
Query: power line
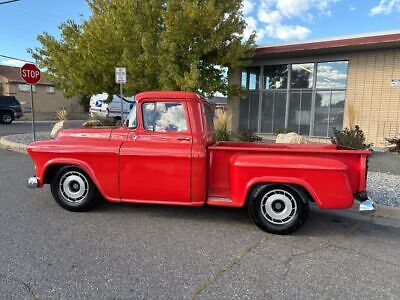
{"points": [[10, 57], [9, 1]]}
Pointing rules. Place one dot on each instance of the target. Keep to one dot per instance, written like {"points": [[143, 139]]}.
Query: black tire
{"points": [[74, 190], [278, 208], [6, 118]]}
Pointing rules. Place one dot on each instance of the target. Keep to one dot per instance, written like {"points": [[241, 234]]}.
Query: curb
{"points": [[13, 146], [386, 212]]}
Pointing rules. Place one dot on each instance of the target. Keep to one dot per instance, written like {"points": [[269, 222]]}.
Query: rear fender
{"points": [[324, 178], [284, 180]]}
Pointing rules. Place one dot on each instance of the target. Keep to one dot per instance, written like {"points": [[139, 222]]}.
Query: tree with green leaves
{"points": [[165, 45]]}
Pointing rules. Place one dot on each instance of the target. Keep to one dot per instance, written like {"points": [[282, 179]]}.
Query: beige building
{"points": [[313, 86], [48, 100]]}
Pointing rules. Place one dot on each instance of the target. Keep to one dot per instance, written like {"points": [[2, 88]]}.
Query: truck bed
{"points": [[228, 163]]}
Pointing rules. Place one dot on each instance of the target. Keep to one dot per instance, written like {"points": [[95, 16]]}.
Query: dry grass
{"points": [[62, 115]]}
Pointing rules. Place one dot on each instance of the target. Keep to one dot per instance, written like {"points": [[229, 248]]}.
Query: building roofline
{"points": [[332, 42]]}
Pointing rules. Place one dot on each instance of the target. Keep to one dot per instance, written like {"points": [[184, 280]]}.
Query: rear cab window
{"points": [[164, 116]]}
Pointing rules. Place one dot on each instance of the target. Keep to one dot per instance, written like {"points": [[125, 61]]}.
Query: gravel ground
{"points": [[384, 188]]}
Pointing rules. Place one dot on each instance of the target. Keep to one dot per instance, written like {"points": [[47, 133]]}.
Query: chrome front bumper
{"points": [[32, 182]]}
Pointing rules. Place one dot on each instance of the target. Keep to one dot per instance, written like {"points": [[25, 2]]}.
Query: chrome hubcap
{"points": [[278, 206], [74, 187]]}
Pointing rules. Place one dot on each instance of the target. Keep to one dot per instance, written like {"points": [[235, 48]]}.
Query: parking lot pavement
{"points": [[152, 252], [26, 127]]}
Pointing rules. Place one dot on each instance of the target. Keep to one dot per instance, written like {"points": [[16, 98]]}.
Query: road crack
{"points": [[228, 267]]}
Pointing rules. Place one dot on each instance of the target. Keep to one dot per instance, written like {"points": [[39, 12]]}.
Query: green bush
{"points": [[247, 135], [396, 143], [281, 130], [350, 137], [100, 121]]}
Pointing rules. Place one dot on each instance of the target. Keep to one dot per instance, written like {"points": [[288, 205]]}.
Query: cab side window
{"points": [[164, 117]]}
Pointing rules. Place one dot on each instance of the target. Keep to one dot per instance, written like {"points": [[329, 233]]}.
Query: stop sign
{"points": [[30, 73]]}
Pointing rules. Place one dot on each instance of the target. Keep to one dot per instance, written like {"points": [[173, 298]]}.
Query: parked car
{"points": [[101, 107], [10, 109], [166, 153]]}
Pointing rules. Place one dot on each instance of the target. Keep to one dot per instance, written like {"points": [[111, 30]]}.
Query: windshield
{"points": [[131, 121]]}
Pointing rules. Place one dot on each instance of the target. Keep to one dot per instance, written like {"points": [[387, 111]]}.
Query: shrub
{"points": [[395, 142], [99, 121], [281, 130], [221, 127], [350, 137], [247, 135]]}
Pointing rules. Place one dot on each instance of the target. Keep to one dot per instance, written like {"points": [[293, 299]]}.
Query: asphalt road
{"points": [[19, 127], [161, 252]]}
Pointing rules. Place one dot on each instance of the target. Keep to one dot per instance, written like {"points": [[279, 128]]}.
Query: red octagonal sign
{"points": [[30, 73]]}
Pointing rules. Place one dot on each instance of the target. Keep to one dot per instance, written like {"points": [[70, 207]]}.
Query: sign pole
{"points": [[33, 114], [122, 105], [120, 78], [31, 75]]}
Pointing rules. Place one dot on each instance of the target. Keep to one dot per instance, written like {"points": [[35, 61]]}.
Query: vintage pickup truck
{"points": [[166, 153]]}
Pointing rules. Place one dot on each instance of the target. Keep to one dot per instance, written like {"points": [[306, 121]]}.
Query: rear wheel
{"points": [[279, 208], [73, 189], [6, 118]]}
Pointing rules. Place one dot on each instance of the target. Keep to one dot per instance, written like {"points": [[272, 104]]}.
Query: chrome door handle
{"points": [[184, 139]]}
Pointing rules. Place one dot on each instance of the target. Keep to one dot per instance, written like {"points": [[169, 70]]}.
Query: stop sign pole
{"points": [[31, 75]]}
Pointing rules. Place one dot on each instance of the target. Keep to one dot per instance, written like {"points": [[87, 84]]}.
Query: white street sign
{"points": [[120, 75]]}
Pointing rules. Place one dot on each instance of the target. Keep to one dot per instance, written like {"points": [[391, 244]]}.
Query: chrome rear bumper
{"points": [[32, 182], [367, 206]]}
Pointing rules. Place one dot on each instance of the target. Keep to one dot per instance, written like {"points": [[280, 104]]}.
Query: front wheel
{"points": [[279, 208], [73, 189]]}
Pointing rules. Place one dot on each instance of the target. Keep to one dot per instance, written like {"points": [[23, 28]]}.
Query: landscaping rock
{"points": [[290, 138]]}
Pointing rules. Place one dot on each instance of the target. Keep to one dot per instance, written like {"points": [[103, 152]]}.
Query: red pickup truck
{"points": [[166, 153]]}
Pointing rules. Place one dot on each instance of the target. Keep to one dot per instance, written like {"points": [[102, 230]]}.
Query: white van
{"points": [[100, 107]]}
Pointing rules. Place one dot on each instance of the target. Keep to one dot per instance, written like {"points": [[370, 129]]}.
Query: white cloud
{"points": [[251, 27], [269, 17], [385, 7], [247, 7], [12, 62], [288, 32], [282, 19]]}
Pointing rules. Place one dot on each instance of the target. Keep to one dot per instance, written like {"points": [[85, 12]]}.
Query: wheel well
{"points": [[51, 172], [6, 110], [259, 187]]}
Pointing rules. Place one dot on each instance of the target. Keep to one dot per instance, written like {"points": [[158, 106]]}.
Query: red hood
{"points": [[85, 133]]}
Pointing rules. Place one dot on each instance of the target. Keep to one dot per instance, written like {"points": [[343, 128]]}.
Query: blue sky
{"points": [[274, 20]]}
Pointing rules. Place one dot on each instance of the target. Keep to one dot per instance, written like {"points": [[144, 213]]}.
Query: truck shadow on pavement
{"points": [[319, 223]]}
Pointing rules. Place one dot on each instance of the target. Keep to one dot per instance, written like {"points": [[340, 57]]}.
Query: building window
{"points": [[250, 78], [307, 98], [26, 88], [275, 77], [302, 76], [332, 74], [50, 89]]}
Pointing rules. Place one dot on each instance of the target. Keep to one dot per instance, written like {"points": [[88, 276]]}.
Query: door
{"points": [[155, 161]]}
